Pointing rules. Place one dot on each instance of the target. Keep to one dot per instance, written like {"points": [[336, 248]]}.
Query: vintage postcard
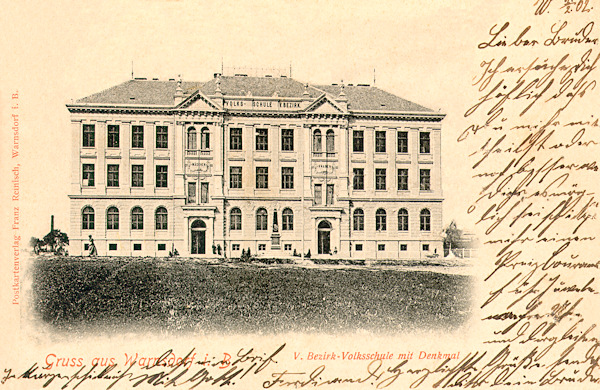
{"points": [[300, 194]]}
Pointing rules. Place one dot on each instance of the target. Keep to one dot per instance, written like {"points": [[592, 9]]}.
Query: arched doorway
{"points": [[198, 237], [324, 238]]}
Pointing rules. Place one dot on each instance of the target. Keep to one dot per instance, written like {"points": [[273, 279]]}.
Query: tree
{"points": [[452, 237], [55, 242], [56, 239]]}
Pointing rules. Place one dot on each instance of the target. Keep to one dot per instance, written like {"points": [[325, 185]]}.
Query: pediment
{"points": [[199, 102], [325, 105]]}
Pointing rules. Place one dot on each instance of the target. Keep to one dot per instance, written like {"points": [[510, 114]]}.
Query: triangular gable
{"points": [[199, 102], [324, 104]]}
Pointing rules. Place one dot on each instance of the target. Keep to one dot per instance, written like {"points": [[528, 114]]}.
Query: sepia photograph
{"points": [[254, 204]]}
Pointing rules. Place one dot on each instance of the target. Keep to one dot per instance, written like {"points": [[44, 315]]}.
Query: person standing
{"points": [[93, 251]]}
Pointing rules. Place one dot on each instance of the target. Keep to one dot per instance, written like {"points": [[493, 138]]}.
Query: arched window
{"points": [[317, 141], [324, 225], [198, 225], [204, 138], [425, 220], [87, 218], [287, 219], [359, 220], [261, 219], [380, 220], [236, 219], [330, 141], [112, 218], [137, 218], [191, 138], [160, 217], [403, 220]]}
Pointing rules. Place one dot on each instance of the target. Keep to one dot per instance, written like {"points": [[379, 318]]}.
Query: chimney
{"points": [[51, 223]]}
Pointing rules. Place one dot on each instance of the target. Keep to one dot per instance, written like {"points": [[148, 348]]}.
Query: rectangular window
{"points": [[402, 179], [287, 178], [262, 177], [425, 247], [162, 247], [204, 139], [89, 136], [261, 219], [402, 142], [262, 139], [137, 175], [161, 219], [162, 138], [287, 139], [425, 179], [112, 247], [137, 136], [88, 175], [161, 176], [113, 136], [137, 247], [380, 141], [380, 247], [359, 220], [358, 141], [203, 192], [358, 181], [318, 194], [424, 143], [359, 247], [329, 198], [262, 247], [112, 176], [235, 247], [235, 177], [112, 219], [287, 247], [235, 220], [191, 193], [403, 247], [380, 179], [235, 139], [287, 219]]}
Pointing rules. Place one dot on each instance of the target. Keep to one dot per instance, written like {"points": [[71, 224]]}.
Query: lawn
{"points": [[183, 295]]}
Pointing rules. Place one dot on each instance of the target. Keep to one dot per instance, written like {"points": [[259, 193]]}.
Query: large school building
{"points": [[268, 164]]}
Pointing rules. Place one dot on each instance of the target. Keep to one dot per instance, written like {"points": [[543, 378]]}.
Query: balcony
{"points": [[322, 156], [198, 152]]}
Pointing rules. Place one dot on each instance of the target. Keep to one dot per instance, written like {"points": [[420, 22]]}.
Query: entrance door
{"points": [[198, 237], [198, 242], [324, 238]]}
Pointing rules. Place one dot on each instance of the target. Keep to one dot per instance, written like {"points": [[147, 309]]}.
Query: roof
{"points": [[259, 86], [142, 92], [160, 93], [367, 98]]}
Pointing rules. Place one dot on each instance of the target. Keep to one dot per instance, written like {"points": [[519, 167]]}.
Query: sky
{"points": [[63, 50]]}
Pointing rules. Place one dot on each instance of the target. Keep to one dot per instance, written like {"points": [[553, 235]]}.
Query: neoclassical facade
{"points": [[261, 163]]}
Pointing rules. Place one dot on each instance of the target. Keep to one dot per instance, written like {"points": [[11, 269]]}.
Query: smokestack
{"points": [[52, 223]]}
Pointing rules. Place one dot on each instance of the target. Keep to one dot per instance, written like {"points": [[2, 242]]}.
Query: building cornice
{"points": [[394, 199], [399, 115], [172, 110], [128, 197]]}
